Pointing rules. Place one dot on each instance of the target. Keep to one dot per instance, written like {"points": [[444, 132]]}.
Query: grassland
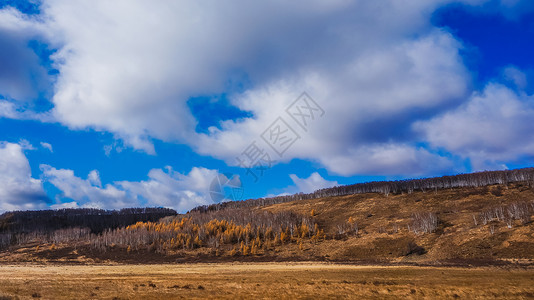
{"points": [[261, 280]]}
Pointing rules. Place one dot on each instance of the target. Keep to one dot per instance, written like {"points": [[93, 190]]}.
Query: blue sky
{"points": [[143, 104]]}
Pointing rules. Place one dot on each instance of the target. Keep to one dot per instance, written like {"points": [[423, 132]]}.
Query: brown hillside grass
{"points": [[383, 225]]}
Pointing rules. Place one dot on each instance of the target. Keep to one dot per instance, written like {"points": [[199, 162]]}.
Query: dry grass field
{"points": [[261, 280]]}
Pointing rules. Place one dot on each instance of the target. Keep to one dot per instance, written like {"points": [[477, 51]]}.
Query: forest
{"points": [[18, 227]]}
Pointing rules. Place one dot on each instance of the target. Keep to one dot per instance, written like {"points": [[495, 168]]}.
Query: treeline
{"points": [[18, 227], [389, 187], [96, 220]]}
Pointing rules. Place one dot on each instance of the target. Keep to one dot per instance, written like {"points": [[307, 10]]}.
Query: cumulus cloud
{"points": [[493, 127], [129, 68], [172, 189], [369, 105], [163, 188], [312, 183], [18, 190], [84, 191], [304, 185]]}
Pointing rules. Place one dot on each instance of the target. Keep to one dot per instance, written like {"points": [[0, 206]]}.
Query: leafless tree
{"points": [[424, 222]]}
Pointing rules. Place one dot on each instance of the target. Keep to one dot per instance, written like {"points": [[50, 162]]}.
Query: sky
{"points": [[115, 104]]}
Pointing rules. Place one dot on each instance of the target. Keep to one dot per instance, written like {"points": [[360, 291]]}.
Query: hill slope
{"points": [[484, 223], [489, 224]]}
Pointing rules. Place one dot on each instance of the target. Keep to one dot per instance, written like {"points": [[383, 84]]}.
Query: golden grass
{"points": [[261, 280]]}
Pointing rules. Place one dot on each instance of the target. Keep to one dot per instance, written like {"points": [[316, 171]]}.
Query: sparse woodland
{"points": [[237, 232], [517, 211]]}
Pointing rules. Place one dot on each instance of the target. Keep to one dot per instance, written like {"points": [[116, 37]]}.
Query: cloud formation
{"points": [[169, 188], [130, 67], [312, 183], [375, 67], [163, 188], [370, 103], [493, 127], [18, 189]]}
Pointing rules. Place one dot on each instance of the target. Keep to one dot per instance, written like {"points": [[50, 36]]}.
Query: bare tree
{"points": [[424, 222]]}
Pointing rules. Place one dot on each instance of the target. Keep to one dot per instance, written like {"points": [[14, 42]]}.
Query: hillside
{"points": [[459, 225], [472, 224]]}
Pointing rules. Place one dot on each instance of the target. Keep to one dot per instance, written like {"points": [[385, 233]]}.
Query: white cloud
{"points": [[369, 104], [94, 178], [83, 191], [129, 68], [8, 110], [304, 185], [47, 146], [491, 128], [173, 189], [18, 190], [165, 188], [72, 204], [387, 159], [312, 183]]}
